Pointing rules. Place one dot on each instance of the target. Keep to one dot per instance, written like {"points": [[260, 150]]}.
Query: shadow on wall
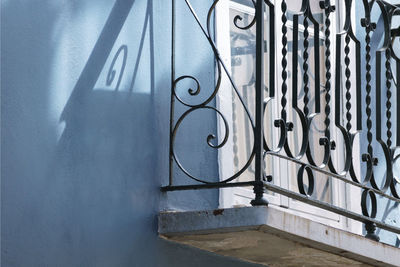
{"points": [[78, 202], [102, 173]]}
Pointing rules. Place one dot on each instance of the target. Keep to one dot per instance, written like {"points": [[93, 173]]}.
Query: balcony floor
{"points": [[268, 236]]}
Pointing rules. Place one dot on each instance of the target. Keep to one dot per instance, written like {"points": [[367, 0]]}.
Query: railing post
{"points": [[259, 114], [172, 103], [370, 27], [371, 228]]}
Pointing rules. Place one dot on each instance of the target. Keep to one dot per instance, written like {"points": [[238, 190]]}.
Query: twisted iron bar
{"points": [[328, 10], [306, 99], [369, 27], [347, 83], [388, 97], [284, 60]]}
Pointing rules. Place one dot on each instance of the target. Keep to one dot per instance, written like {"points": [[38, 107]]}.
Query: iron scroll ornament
{"points": [[204, 105]]}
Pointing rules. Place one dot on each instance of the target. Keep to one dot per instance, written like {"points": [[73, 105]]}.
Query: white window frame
{"points": [[231, 197]]}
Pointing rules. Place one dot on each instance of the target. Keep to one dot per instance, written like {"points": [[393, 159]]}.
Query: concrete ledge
{"points": [[272, 237]]}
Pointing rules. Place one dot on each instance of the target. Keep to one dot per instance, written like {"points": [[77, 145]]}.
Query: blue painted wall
{"points": [[81, 161]]}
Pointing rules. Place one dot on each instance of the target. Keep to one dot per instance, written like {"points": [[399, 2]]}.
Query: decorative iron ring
{"points": [[324, 141], [395, 180], [300, 183], [304, 143], [364, 207], [278, 123]]}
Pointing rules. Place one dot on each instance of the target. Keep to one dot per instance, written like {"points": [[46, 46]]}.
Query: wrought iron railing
{"points": [[343, 82]]}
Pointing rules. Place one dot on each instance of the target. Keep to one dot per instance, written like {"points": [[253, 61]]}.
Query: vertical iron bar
{"points": [[271, 50], [306, 88], [378, 96], [328, 75], [259, 115], [284, 60], [338, 62], [368, 89], [347, 83], [295, 48], [370, 227], [171, 121], [388, 98], [358, 86], [398, 102], [317, 81]]}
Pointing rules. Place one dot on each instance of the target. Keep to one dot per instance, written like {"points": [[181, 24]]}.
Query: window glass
{"points": [[242, 43]]}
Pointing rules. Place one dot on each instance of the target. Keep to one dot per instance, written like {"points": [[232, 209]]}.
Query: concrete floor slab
{"points": [[273, 237]]}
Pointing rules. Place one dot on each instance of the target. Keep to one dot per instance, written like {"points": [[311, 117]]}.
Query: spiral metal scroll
{"points": [[238, 18], [204, 105]]}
